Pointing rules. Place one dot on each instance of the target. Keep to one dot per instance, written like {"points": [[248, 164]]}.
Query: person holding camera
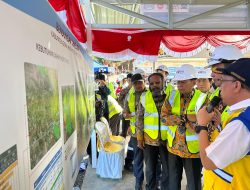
{"points": [[103, 91], [178, 114], [227, 158]]}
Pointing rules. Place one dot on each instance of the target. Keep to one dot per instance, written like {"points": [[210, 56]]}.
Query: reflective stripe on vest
{"points": [[155, 127], [223, 175], [200, 102], [131, 106], [191, 138], [151, 117]]}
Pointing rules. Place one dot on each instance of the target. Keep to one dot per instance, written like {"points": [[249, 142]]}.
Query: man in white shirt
{"points": [[228, 156]]}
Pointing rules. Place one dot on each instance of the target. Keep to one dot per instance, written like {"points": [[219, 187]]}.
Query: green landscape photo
{"points": [[68, 102], [42, 99]]}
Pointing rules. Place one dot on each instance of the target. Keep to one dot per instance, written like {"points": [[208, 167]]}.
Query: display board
{"points": [[47, 98]]}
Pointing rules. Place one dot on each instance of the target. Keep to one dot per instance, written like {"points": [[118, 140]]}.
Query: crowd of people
{"points": [[176, 127]]}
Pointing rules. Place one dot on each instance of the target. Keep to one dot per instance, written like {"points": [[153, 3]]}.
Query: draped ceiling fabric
{"points": [[144, 44], [126, 44], [75, 19], [179, 43]]}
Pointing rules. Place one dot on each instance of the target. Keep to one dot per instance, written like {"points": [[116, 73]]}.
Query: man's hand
{"points": [[102, 83], [203, 117], [191, 117], [141, 144]]}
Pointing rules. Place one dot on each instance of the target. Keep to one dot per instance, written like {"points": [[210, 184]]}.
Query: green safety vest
{"points": [[200, 102], [191, 138], [114, 107], [98, 97], [131, 106], [112, 90], [168, 89], [151, 117]]}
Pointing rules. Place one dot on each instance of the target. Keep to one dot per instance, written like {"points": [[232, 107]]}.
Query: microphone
{"points": [[214, 102]]}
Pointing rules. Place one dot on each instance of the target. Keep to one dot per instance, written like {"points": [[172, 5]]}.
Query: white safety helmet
{"points": [[139, 71], [185, 72], [204, 73], [226, 52], [163, 68], [121, 77]]}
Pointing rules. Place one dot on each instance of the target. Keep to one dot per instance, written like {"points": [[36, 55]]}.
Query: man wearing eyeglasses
{"points": [[227, 159], [178, 114], [221, 57]]}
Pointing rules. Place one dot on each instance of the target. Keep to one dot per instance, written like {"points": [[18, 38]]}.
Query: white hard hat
{"points": [[139, 71], [204, 73], [163, 68], [185, 72], [226, 52], [121, 77]]}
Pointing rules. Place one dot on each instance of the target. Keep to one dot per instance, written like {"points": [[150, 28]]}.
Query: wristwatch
{"points": [[199, 128]]}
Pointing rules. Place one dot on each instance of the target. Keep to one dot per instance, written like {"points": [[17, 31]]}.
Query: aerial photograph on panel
{"points": [[81, 115], [68, 102], [42, 110]]}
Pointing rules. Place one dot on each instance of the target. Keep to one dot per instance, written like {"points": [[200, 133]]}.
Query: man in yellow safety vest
{"points": [[178, 113], [222, 56], [227, 159], [152, 133], [129, 112]]}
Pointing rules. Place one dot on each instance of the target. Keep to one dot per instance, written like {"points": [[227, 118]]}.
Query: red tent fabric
{"points": [[139, 41], [75, 19], [108, 43], [185, 41]]}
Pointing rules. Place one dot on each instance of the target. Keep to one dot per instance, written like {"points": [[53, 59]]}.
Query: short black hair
{"points": [[100, 76], [129, 75], [156, 74], [136, 77]]}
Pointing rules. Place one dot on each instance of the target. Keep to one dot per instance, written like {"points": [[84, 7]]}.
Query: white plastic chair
{"points": [[117, 139], [111, 155]]}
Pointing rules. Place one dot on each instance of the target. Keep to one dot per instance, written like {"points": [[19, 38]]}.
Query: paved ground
{"points": [[93, 182]]}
